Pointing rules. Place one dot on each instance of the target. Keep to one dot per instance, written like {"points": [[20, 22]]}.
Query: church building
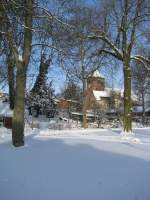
{"points": [[98, 95]]}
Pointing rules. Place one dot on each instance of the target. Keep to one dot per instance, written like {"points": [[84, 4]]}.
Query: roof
{"points": [[137, 109], [5, 110], [147, 109], [121, 91], [68, 100], [97, 74], [99, 94], [3, 94], [80, 114]]}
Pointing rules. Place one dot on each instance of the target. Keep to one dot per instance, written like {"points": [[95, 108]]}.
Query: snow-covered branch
{"points": [[52, 16], [142, 60], [108, 52], [103, 37]]}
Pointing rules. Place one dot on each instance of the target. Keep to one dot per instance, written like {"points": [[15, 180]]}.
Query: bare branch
{"points": [[52, 16], [142, 60], [49, 46], [110, 43], [108, 52]]}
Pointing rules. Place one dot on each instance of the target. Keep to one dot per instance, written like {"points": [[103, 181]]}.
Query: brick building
{"points": [[100, 97]]}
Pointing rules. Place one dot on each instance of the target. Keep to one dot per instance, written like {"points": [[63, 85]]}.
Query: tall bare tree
{"points": [[32, 21], [79, 62], [21, 58], [126, 22]]}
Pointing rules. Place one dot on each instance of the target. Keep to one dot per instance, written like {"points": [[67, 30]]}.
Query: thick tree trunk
{"points": [[18, 118], [21, 65], [11, 81], [127, 98]]}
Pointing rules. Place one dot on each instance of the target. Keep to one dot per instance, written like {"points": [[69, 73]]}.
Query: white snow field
{"points": [[76, 165]]}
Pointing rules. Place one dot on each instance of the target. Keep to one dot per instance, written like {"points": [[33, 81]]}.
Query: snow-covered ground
{"points": [[93, 164]]}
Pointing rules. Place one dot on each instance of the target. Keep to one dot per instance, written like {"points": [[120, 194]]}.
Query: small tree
{"points": [[141, 85], [72, 91]]}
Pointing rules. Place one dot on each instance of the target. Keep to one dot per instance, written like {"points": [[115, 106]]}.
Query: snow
{"points": [[75, 165], [5, 110], [97, 74], [20, 58], [80, 114], [133, 96], [147, 109], [99, 94], [137, 109]]}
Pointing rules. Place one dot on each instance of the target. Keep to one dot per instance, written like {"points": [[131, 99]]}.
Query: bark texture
{"points": [[11, 81], [143, 109], [127, 98], [84, 106], [18, 118]]}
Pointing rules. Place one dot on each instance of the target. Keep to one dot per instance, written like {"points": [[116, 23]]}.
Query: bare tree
{"points": [[141, 85], [123, 31], [32, 22], [7, 59], [79, 62], [21, 60]]}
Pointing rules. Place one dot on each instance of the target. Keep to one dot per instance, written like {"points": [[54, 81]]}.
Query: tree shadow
{"points": [[71, 169]]}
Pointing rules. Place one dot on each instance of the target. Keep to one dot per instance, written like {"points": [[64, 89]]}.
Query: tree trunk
{"points": [[18, 118], [127, 98], [84, 104], [84, 122], [21, 65], [11, 81], [143, 109]]}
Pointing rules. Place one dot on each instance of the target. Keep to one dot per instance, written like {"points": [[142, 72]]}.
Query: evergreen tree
{"points": [[72, 91], [42, 101]]}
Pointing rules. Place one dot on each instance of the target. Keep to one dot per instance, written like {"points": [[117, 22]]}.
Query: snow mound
{"points": [[129, 136], [136, 140]]}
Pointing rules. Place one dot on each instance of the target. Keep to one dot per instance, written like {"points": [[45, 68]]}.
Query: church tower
{"points": [[96, 82]]}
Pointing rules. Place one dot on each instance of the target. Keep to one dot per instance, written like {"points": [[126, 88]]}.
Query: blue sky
{"points": [[58, 77]]}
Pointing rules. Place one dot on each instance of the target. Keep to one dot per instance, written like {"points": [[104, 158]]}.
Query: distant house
{"points": [[147, 104], [66, 106], [4, 96], [138, 110], [6, 114], [99, 98]]}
